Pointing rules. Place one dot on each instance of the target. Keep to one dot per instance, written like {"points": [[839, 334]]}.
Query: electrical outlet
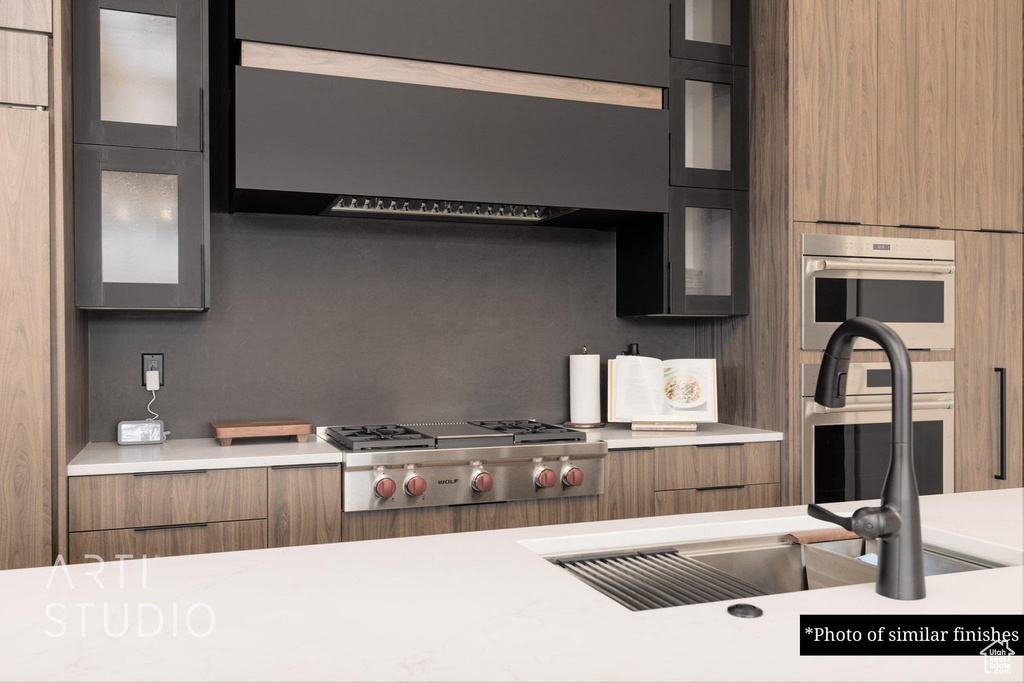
{"points": [[153, 361]]}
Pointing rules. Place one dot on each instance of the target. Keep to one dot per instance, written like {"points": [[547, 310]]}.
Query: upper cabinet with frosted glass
{"points": [[138, 73], [711, 31], [142, 217]]}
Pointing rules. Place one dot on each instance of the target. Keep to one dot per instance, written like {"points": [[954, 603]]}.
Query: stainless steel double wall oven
{"points": [[908, 284]]}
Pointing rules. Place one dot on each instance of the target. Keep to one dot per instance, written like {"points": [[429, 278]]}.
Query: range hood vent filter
{"points": [[442, 210]]}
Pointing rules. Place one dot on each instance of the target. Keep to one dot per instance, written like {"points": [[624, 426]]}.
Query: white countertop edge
{"points": [[177, 455]]}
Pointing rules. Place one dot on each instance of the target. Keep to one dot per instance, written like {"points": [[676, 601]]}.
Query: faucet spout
{"points": [[897, 522]]}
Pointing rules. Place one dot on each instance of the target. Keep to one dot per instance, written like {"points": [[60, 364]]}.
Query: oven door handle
{"points": [[945, 404], [845, 264]]}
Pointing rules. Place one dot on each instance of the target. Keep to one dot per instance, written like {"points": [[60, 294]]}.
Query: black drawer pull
{"points": [[721, 445], [721, 488], [163, 474], [839, 222], [197, 525], [305, 467], [919, 227], [1002, 424]]}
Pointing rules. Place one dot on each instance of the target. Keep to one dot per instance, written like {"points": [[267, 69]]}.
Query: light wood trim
{"points": [[835, 110], [989, 134], [436, 74], [24, 69], [689, 501], [25, 428], [686, 467], [26, 15], [989, 319], [163, 542], [628, 482], [127, 500], [303, 505], [68, 324], [916, 125]]}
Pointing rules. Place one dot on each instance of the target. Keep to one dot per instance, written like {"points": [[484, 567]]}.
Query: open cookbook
{"points": [[650, 392]]}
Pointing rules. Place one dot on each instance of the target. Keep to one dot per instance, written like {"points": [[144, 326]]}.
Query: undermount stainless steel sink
{"points": [[730, 569]]}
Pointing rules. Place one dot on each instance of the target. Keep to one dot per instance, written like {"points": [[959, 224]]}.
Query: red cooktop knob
{"points": [[385, 487], [483, 482], [416, 486], [546, 478], [573, 476]]}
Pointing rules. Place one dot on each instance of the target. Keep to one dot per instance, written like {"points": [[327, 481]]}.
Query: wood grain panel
{"points": [[629, 481], [989, 133], [24, 69], [834, 116], [511, 515], [303, 505], [989, 321], [365, 526], [716, 500], [129, 500], [436, 74], [25, 435], [687, 467], [916, 121], [567, 511], [164, 542], [27, 15]]}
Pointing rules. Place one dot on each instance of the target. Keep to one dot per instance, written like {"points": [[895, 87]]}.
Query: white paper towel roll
{"points": [[585, 388]]}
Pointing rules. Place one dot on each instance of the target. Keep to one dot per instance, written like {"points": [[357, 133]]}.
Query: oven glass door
{"points": [[915, 298], [846, 454]]}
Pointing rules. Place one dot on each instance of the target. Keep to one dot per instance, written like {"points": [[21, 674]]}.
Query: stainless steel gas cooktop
{"points": [[393, 466]]}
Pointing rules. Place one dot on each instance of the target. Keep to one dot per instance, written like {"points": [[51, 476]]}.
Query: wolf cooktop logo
{"points": [[447, 481]]}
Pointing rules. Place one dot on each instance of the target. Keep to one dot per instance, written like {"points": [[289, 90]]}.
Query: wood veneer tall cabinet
{"points": [[989, 376], [42, 338]]}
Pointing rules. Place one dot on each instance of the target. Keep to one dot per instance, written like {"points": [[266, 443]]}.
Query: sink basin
{"points": [[729, 569]]}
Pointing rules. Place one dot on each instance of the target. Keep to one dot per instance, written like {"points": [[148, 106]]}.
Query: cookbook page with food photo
{"points": [[642, 389]]}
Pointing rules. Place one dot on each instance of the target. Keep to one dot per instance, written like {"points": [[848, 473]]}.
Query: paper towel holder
{"points": [[583, 425]]}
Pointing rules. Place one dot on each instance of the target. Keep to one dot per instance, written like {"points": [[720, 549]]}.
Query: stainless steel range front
{"points": [[389, 467]]}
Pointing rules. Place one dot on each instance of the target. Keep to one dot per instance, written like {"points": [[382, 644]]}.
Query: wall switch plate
{"points": [[152, 361]]}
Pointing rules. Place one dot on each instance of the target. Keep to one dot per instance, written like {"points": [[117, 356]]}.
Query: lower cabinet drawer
{"points": [[717, 499], [165, 541], [690, 467], [121, 501]]}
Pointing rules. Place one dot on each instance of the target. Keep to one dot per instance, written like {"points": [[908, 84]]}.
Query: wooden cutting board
{"points": [[224, 432]]}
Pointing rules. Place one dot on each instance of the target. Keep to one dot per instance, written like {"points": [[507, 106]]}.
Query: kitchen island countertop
{"points": [[477, 606]]}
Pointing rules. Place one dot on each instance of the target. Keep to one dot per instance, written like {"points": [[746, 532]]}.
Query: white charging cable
{"points": [[153, 384]]}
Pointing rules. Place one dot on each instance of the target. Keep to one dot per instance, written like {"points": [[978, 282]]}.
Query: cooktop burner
{"points": [[531, 431], [363, 437]]}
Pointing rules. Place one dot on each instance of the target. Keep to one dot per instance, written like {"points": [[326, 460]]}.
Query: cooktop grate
{"points": [[645, 580]]}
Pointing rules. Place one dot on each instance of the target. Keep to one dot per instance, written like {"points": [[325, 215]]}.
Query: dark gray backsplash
{"points": [[361, 321]]}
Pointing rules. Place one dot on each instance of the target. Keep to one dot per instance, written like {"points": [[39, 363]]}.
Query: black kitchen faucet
{"points": [[897, 523]]}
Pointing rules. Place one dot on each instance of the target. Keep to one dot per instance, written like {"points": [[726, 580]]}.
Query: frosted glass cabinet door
{"points": [[140, 228], [138, 70], [709, 121], [711, 30], [708, 252]]}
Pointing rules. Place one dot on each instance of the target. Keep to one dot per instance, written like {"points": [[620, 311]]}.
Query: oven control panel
{"points": [[426, 484]]}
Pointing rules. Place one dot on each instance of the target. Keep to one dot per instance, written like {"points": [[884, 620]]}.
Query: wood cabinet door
{"points": [[629, 485], [24, 337], [688, 501], [916, 122], [834, 110], [988, 357], [988, 115], [303, 505]]}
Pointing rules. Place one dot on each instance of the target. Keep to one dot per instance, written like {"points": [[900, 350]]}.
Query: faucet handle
{"points": [[824, 515], [865, 522]]}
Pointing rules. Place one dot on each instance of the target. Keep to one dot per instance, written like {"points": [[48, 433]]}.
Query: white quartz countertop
{"points": [[621, 437], [477, 606], [196, 454]]}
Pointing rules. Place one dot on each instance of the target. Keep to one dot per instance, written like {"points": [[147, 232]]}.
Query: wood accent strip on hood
{"points": [[415, 72]]}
